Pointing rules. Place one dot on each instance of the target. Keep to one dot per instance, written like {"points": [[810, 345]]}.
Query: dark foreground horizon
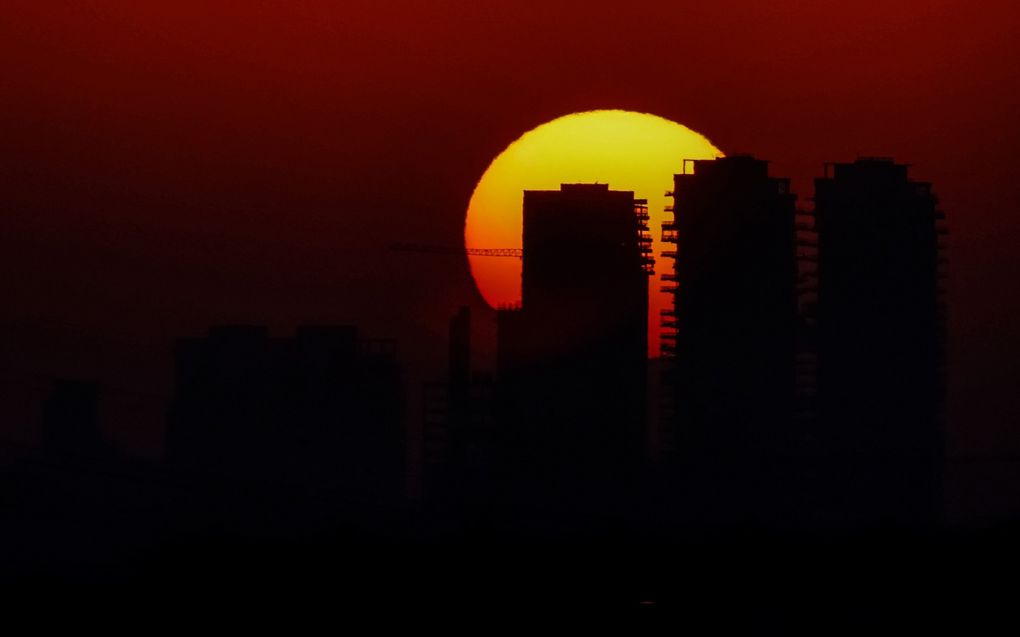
{"points": [[738, 579]]}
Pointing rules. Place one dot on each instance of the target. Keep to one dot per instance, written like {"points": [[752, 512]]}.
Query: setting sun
{"points": [[627, 150]]}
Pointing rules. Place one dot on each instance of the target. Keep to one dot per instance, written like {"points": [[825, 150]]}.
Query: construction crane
{"points": [[475, 252]]}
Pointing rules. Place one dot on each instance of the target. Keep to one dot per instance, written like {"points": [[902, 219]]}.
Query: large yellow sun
{"points": [[625, 149]]}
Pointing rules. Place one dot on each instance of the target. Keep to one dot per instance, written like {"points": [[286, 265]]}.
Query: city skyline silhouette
{"points": [[557, 440], [246, 342]]}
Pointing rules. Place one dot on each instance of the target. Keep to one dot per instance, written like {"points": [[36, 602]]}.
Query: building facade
{"points": [[322, 408], [881, 339], [732, 335], [572, 359]]}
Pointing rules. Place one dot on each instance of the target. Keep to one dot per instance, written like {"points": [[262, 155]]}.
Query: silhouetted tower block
{"points": [[583, 265], [880, 338], [572, 359], [732, 330], [470, 402], [458, 426], [459, 369], [324, 407], [71, 421]]}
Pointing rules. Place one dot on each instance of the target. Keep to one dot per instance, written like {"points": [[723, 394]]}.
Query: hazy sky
{"points": [[167, 165]]}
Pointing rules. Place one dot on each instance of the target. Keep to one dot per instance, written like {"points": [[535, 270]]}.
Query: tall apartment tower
{"points": [[731, 334], [572, 360], [458, 429], [881, 332]]}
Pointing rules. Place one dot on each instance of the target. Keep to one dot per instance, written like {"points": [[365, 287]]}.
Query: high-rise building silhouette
{"points": [[459, 436], [731, 334], [324, 408], [572, 359], [880, 328], [459, 369]]}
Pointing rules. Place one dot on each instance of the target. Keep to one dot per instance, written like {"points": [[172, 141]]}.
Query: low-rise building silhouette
{"points": [[71, 422], [324, 408]]}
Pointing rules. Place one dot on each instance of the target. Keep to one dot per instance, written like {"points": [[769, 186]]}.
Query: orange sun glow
{"points": [[627, 150]]}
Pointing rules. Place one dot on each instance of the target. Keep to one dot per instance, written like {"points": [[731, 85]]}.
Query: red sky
{"points": [[167, 165]]}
